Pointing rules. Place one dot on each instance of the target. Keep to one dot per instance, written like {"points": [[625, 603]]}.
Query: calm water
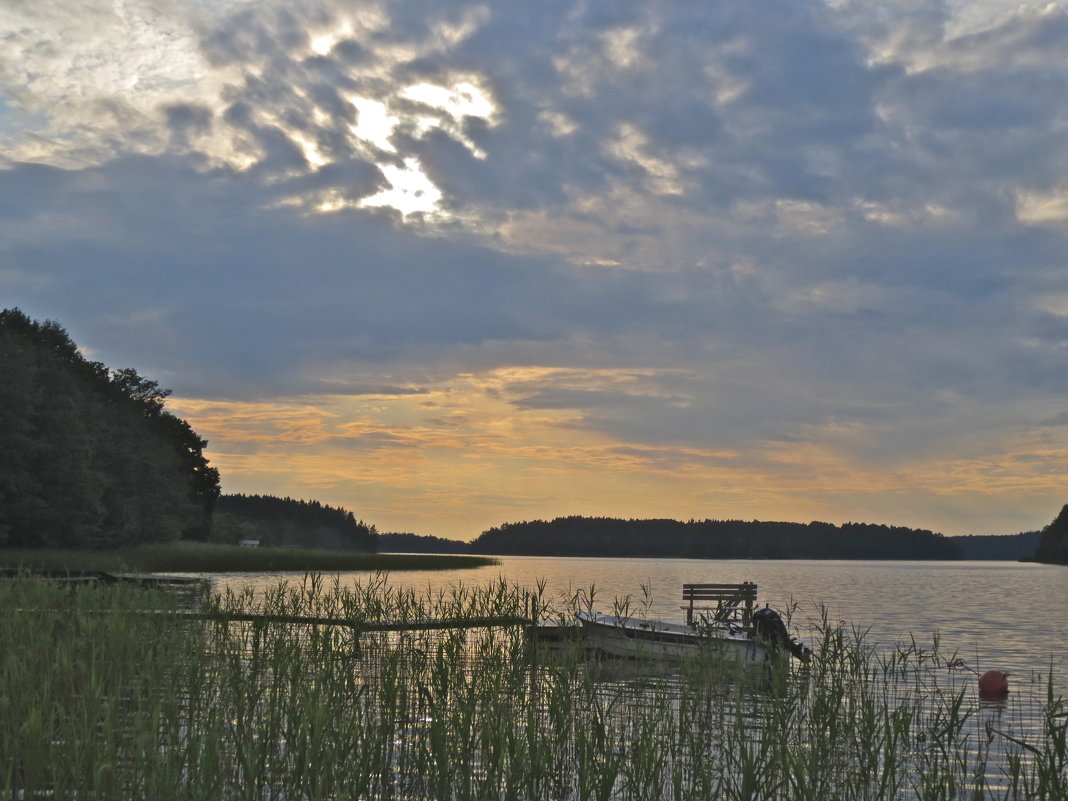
{"points": [[1006, 615]]}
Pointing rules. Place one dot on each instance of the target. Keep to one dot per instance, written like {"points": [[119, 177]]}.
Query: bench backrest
{"points": [[727, 596]]}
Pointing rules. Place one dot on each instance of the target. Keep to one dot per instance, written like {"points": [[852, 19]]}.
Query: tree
{"points": [[89, 457], [288, 522], [587, 536], [1053, 544]]}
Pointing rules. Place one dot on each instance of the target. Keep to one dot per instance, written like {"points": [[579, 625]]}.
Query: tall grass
{"points": [[109, 693]]}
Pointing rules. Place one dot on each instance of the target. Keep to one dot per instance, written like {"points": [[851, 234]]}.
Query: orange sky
{"points": [[457, 458]]}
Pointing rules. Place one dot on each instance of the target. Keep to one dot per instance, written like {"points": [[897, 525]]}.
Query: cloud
{"points": [[735, 241]]}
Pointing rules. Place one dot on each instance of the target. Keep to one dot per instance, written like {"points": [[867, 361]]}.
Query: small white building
{"points": [[249, 543]]}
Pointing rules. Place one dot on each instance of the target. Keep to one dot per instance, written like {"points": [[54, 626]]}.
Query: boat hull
{"points": [[630, 638]]}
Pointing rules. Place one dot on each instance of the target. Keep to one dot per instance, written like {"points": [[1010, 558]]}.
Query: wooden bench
{"points": [[729, 598]]}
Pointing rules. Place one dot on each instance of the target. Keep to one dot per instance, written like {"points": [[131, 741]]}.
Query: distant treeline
{"points": [[1000, 547], [419, 543], [719, 539], [1003, 547], [287, 522], [89, 457]]}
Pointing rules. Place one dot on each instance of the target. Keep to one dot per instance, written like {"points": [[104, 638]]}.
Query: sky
{"points": [[452, 264]]}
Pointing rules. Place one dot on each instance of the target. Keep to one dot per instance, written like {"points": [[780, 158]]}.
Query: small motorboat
{"points": [[731, 631], [635, 638]]}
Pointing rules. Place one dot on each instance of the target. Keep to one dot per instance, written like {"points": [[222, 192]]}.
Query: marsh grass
{"points": [[198, 557], [111, 693]]}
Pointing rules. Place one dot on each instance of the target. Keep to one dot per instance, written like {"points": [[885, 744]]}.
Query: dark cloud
{"points": [[816, 90], [185, 119], [252, 294], [30, 187], [253, 36]]}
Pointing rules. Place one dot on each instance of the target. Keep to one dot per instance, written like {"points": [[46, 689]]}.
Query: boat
{"points": [[730, 631], [635, 638]]}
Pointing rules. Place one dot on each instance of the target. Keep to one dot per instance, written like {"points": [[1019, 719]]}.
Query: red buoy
{"points": [[994, 682]]}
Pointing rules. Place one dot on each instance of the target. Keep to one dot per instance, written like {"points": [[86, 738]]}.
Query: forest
{"points": [[90, 456], [998, 547], [1053, 544], [285, 522], [419, 543], [721, 539]]}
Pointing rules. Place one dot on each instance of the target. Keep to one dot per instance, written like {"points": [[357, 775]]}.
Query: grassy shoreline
{"points": [[196, 557]]}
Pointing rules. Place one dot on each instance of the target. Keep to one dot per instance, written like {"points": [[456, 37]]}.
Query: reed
{"points": [[112, 693]]}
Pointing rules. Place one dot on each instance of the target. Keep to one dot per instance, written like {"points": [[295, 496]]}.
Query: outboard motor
{"points": [[770, 629]]}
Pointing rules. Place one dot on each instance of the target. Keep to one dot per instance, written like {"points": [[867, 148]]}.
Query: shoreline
{"points": [[198, 557]]}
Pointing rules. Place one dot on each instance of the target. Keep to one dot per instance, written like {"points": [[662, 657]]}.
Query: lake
{"points": [[1012, 616]]}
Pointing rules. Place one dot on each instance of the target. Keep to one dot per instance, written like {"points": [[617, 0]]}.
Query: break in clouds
{"points": [[700, 231]]}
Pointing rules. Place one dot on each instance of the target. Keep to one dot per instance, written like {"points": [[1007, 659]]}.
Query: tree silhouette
{"points": [[90, 457], [1053, 545]]}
